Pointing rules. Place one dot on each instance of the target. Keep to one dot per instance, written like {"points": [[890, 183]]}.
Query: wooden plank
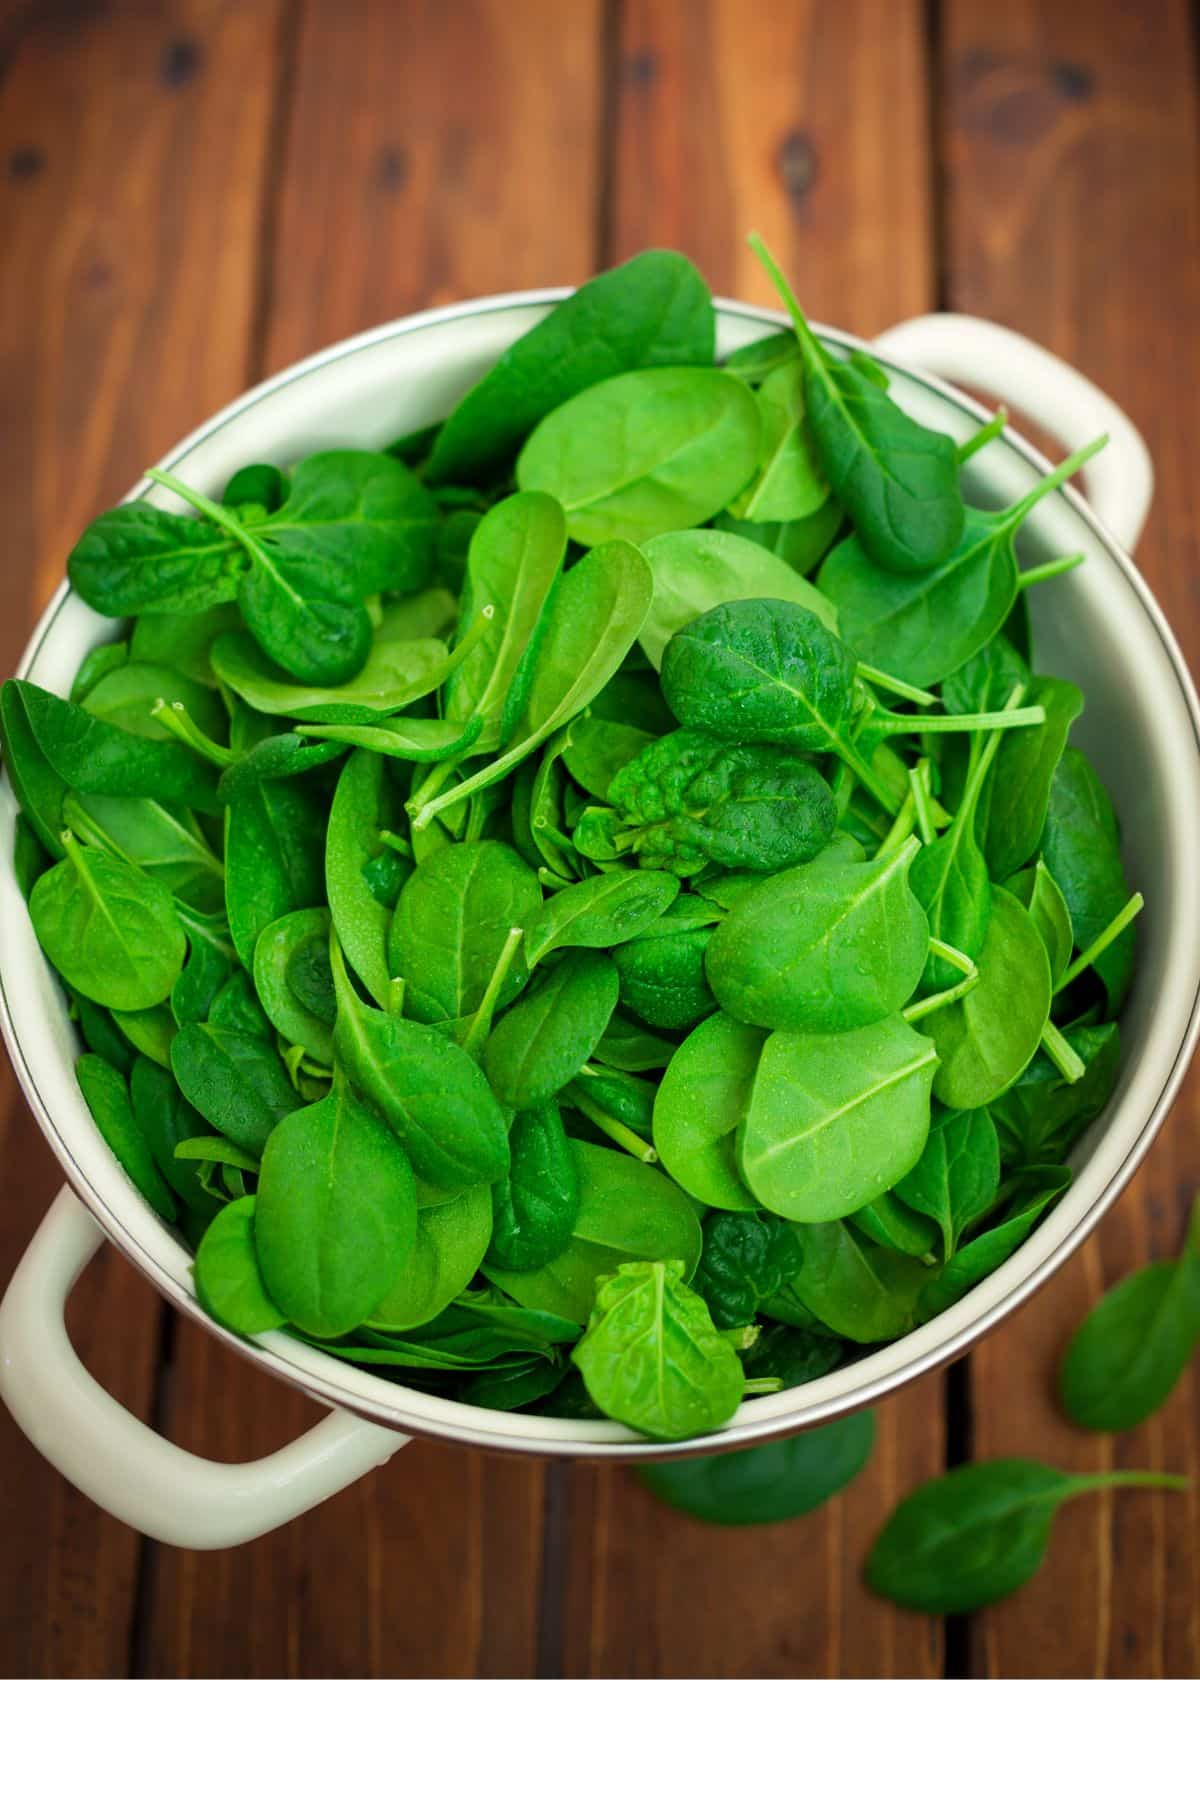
{"points": [[126, 296], [433, 152], [809, 123], [1073, 213]]}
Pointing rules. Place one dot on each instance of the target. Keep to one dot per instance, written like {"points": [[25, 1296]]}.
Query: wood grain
{"points": [[801, 120], [428, 153], [1073, 213], [125, 305]]}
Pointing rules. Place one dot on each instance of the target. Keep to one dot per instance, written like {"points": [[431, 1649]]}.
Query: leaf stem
{"points": [[984, 721], [919, 781], [1112, 930], [902, 826], [481, 1020], [958, 959], [920, 1009], [396, 989], [1021, 509], [174, 716], [892, 684], [1048, 570], [1068, 1063], [1113, 1478], [985, 434], [613, 1128]]}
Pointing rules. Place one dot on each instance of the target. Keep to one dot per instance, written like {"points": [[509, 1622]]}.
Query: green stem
{"points": [[210, 509], [1114, 1478], [1069, 1065], [920, 1009], [173, 715], [432, 785], [902, 826], [1020, 509], [780, 283], [919, 782], [892, 684], [481, 1021], [958, 959], [984, 435], [844, 784], [391, 840], [1112, 930], [762, 1384], [875, 786], [395, 997], [550, 880], [613, 1128], [1047, 571], [985, 721]]}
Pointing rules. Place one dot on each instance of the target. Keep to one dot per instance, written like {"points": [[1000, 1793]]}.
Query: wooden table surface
{"points": [[197, 192]]}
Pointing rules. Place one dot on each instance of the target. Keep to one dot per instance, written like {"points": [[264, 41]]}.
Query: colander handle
{"points": [[975, 353], [123, 1465]]}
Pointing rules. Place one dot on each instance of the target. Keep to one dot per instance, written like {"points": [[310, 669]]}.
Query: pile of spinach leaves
{"points": [[589, 908]]}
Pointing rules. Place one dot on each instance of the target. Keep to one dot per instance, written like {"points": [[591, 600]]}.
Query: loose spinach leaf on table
{"points": [[769, 1482], [978, 1533], [1129, 1352]]}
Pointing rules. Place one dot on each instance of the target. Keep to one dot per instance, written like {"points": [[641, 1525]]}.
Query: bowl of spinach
{"points": [[571, 882]]}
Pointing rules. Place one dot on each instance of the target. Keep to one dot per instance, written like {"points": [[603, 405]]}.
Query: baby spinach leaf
{"points": [[150, 1030], [649, 451], [506, 1390], [769, 1482], [40, 790], [895, 1226], [1128, 1354], [830, 946], [653, 311], [274, 848], [408, 740], [897, 480], [278, 757], [293, 980], [512, 564], [978, 1533], [29, 858], [1081, 849], [702, 1100], [791, 1357], [697, 570], [336, 1215], [166, 1120], [597, 913], [229, 1282], [652, 1358], [1041, 1115], [789, 482], [957, 1178], [451, 1239], [362, 807], [593, 616], [163, 841], [628, 1045], [138, 559], [861, 1290], [107, 1097], [801, 543], [394, 674], [626, 1211], [109, 930], [450, 924], [1027, 1197], [746, 1259], [987, 1038], [545, 1039], [924, 623], [1042, 899], [97, 758], [950, 875], [1018, 793], [754, 362], [182, 641], [688, 799], [126, 695], [662, 969], [430, 1092], [234, 1079], [595, 750], [534, 1206], [835, 1120], [95, 666]]}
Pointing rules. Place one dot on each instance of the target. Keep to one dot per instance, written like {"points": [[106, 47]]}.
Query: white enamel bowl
{"points": [[1099, 625]]}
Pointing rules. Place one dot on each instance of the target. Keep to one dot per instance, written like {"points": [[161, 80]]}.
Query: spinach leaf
{"points": [[653, 311], [1130, 1351], [276, 758], [362, 808], [450, 925], [769, 1482], [746, 1259], [534, 1206], [428, 1090], [978, 1533], [688, 799], [107, 1097], [229, 1282], [835, 1120], [40, 790], [593, 616], [545, 1039], [394, 674], [274, 850], [452, 1237], [754, 362], [830, 946], [109, 930], [336, 1215], [956, 1180], [1018, 795], [800, 543], [234, 1079], [95, 666], [703, 1098], [597, 913], [897, 480], [1043, 900], [792, 1357], [697, 570], [1027, 1195], [96, 758], [408, 740], [649, 451], [293, 980], [789, 482], [1080, 847], [512, 564], [126, 698], [628, 1045], [860, 1290], [652, 1358], [138, 559], [626, 1212], [595, 750], [166, 1121], [1041, 1115], [163, 841], [987, 1038], [662, 969], [182, 641]]}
